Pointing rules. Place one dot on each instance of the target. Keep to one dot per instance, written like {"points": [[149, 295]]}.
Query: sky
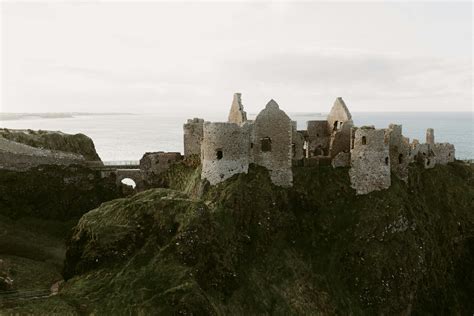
{"points": [[175, 57]]}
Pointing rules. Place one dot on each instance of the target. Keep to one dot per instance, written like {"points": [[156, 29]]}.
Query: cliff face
{"points": [[248, 247], [53, 192], [77, 144]]}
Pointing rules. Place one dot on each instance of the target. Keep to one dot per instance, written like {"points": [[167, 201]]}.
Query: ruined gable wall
{"points": [[339, 127], [193, 133], [340, 113], [318, 138], [276, 125], [224, 152], [237, 114], [370, 162]]}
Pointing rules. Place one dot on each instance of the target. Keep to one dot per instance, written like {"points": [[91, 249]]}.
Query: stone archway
{"points": [[136, 175]]}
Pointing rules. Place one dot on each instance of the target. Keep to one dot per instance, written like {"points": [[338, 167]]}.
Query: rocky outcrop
{"points": [[78, 144], [246, 246]]}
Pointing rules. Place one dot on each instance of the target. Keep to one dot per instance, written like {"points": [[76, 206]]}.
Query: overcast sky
{"points": [[191, 57]]}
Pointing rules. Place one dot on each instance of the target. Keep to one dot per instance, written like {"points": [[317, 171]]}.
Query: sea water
{"points": [[128, 137]]}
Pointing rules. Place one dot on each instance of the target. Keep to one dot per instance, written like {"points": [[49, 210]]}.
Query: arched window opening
{"points": [[129, 182], [427, 162], [251, 145], [364, 140], [219, 154], [336, 123], [386, 161], [266, 144], [400, 158]]}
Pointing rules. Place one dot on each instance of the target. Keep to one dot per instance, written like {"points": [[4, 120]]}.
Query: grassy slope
{"points": [[248, 247], [38, 208]]}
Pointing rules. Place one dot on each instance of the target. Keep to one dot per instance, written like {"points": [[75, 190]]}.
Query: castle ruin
{"points": [[273, 141]]}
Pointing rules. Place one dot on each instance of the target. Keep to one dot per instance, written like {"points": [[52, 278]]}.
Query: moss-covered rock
{"points": [[248, 247]]}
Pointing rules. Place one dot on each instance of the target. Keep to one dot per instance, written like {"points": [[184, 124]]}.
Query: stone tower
{"points": [[430, 138], [225, 151]]}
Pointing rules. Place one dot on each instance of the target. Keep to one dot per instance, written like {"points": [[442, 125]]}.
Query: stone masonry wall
{"points": [[158, 162], [297, 149], [237, 114], [339, 126], [370, 161], [225, 151], [273, 128], [399, 149], [318, 138], [193, 133], [444, 153]]}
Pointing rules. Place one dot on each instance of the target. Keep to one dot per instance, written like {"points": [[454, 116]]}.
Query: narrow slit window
{"points": [[364, 140], [219, 154]]}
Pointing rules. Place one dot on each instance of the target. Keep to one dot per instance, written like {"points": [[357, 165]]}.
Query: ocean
{"points": [[123, 137]]}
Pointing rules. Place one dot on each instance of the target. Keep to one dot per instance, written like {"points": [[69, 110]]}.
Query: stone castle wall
{"points": [[318, 138], [370, 161], [273, 143], [297, 146], [400, 152], [193, 133], [225, 151]]}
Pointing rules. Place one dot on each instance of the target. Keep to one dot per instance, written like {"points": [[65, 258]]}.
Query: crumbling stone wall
{"points": [[297, 147], [153, 164], [342, 159], [424, 155], [273, 142], [193, 133], [318, 138], [225, 151], [399, 149], [370, 161], [237, 114], [444, 153]]}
